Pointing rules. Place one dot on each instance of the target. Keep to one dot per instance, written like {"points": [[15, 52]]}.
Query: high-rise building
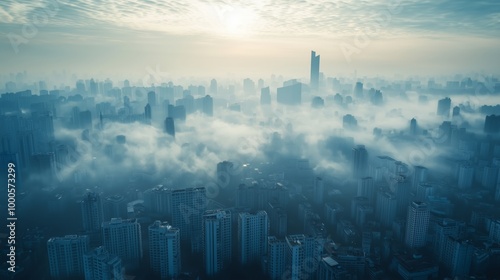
{"points": [[465, 176], [330, 269], [66, 256], [349, 122], [290, 95], [417, 223], [152, 98], [366, 188], [492, 124], [318, 192], [457, 256], [99, 264], [123, 239], [253, 230], [217, 245], [147, 112], [359, 162], [358, 90], [169, 126], [208, 105], [386, 207], [213, 86], [265, 96], [444, 106], [278, 220], [92, 212], [300, 255], [276, 258], [419, 176], [188, 206], [314, 71], [413, 127], [115, 206], [164, 250]]}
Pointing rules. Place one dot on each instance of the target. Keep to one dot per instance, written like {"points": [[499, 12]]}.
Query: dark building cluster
{"points": [[412, 201]]}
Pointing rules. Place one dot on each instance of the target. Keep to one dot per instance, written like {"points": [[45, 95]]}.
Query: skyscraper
{"points": [[265, 96], [188, 206], [217, 245], [319, 189], [386, 207], [457, 256], [444, 106], [417, 223], [92, 212], [169, 126], [123, 239], [152, 98], [413, 127], [358, 90], [164, 250], [276, 260], [300, 252], [314, 71], [252, 236], [66, 256], [147, 112], [359, 162], [99, 264], [208, 105], [366, 188]]}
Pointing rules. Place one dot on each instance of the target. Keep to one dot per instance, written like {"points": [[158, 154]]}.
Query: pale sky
{"points": [[250, 38]]}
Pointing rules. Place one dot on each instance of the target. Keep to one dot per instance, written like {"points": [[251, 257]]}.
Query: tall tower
{"points": [[217, 243], [314, 71], [208, 105], [92, 213], [366, 188], [188, 206], [99, 264], [359, 162], [413, 127], [164, 250], [170, 127], [123, 238], [276, 249], [319, 189], [252, 236], [66, 256], [417, 224], [147, 112]]}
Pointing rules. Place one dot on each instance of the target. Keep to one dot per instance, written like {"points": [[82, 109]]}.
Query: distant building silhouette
{"points": [[147, 112], [359, 162], [314, 81], [265, 96], [169, 126], [492, 124], [413, 127], [349, 122], [152, 98], [208, 105], [213, 86], [290, 95], [358, 90], [444, 106]]}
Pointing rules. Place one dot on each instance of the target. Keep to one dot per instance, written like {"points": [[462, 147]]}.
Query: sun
{"points": [[237, 22]]}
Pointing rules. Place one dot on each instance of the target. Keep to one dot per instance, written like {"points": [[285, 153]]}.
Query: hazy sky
{"points": [[250, 38]]}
